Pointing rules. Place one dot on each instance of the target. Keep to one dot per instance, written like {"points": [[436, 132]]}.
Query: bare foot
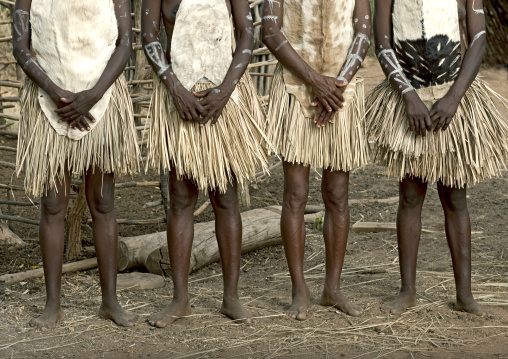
{"points": [[233, 309], [400, 304], [48, 319], [337, 300], [174, 311], [117, 315], [300, 305], [469, 305]]}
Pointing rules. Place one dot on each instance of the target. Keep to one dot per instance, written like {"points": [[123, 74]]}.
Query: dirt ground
{"points": [[370, 278]]}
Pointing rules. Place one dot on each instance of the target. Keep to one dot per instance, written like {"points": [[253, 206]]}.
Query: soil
{"points": [[370, 278]]}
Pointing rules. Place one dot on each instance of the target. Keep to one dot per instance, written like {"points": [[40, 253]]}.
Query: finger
{"points": [[335, 103], [200, 108], [411, 124], [216, 118], [182, 115], [428, 122], [203, 93], [322, 117], [440, 123], [325, 104], [447, 123], [330, 117], [83, 124], [340, 97], [423, 129], [188, 116], [67, 100], [90, 117], [434, 114], [65, 109], [73, 124], [317, 114], [341, 83], [195, 116], [417, 125], [315, 102]]}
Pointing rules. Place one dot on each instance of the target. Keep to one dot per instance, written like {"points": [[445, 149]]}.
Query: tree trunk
{"points": [[74, 219]]}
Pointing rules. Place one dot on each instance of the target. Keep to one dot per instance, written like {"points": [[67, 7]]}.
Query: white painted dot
{"points": [[364, 26], [367, 17], [356, 20]]}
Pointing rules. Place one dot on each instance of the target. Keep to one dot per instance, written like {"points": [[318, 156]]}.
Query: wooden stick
{"points": [[14, 84], [85, 264], [12, 187], [138, 184], [15, 203], [9, 133], [8, 149], [19, 219], [7, 164], [9, 117]]}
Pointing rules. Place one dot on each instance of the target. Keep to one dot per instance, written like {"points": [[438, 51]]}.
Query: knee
{"points": [[410, 200], [53, 207], [335, 197], [295, 196], [100, 205], [225, 201], [182, 202], [455, 202]]}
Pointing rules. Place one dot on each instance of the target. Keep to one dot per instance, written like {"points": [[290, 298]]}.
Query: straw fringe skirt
{"points": [[339, 146], [473, 148], [43, 154], [214, 155]]}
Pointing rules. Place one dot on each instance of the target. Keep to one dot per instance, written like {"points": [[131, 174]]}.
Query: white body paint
{"points": [[477, 36], [73, 40], [352, 57], [388, 59]]}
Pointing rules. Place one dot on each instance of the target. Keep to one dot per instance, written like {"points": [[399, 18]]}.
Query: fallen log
{"points": [[261, 228], [8, 237], [39, 272]]}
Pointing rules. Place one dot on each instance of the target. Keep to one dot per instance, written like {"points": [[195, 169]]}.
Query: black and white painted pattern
{"points": [[427, 40]]}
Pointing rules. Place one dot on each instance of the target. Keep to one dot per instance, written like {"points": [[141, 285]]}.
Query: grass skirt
{"points": [[214, 155], [339, 146], [473, 148], [42, 153]]}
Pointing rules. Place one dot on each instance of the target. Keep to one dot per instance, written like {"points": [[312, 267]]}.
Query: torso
{"points": [[169, 11]]}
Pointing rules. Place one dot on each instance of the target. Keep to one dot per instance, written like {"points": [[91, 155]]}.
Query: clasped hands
{"points": [[438, 118], [209, 107], [74, 108], [329, 99]]}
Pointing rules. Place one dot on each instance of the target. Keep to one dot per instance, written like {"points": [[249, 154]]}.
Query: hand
{"points": [[329, 91], [417, 114], [77, 107], [322, 116], [213, 101], [443, 112], [187, 105]]}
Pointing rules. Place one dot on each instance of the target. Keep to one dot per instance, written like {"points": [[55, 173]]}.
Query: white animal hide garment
{"points": [[427, 40], [201, 45], [321, 32], [73, 41]]}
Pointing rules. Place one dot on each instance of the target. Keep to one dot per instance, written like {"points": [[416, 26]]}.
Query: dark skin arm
{"points": [[417, 113], [72, 108], [443, 110], [356, 55], [185, 102], [328, 90]]}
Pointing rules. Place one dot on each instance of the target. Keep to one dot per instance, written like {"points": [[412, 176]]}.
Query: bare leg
{"points": [[228, 229], [180, 230], [334, 189], [51, 233], [296, 191], [412, 193], [458, 234], [100, 195]]}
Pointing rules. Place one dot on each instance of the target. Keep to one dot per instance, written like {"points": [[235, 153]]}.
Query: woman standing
{"points": [[316, 118], [76, 119], [434, 121], [206, 130]]}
